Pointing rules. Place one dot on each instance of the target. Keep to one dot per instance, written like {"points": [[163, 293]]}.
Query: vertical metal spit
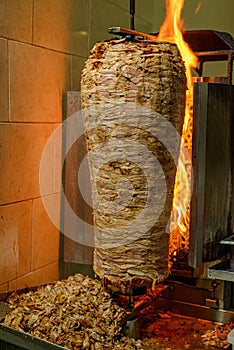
{"points": [[132, 14]]}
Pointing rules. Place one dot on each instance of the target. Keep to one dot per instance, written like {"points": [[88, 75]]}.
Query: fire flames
{"points": [[171, 31]]}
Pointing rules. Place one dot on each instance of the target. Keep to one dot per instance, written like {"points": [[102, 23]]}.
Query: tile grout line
{"points": [[9, 81], [32, 235], [25, 275], [29, 199], [66, 53], [15, 122], [33, 4]]}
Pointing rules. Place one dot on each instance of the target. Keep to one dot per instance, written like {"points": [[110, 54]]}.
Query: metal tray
{"points": [[11, 339], [229, 240], [221, 271]]}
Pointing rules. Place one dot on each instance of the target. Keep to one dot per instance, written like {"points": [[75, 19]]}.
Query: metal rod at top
{"points": [[132, 14]]}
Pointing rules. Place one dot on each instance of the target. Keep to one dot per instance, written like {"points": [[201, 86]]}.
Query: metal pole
{"points": [[132, 14]]}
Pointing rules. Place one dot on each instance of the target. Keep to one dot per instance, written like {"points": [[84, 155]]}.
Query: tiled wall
{"points": [[43, 46], [35, 69]]}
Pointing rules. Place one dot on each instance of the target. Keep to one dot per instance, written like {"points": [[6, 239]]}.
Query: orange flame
{"points": [[171, 31]]}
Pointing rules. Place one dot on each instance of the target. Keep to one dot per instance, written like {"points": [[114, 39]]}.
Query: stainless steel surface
{"points": [[221, 271], [211, 56], [4, 309], [228, 240], [24, 340], [205, 303], [213, 303], [132, 329], [199, 166], [186, 293], [211, 214], [205, 40], [195, 310], [211, 45]]}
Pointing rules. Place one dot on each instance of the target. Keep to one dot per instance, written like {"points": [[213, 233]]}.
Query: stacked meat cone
{"points": [[133, 96]]}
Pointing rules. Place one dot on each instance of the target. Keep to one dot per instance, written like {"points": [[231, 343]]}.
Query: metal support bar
{"points": [[132, 14], [199, 169], [230, 66], [198, 311]]}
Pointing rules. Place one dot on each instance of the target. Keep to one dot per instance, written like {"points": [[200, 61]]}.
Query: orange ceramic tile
{"points": [[16, 19], [45, 275], [45, 236], [4, 288], [22, 146], [38, 78], [15, 240]]}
